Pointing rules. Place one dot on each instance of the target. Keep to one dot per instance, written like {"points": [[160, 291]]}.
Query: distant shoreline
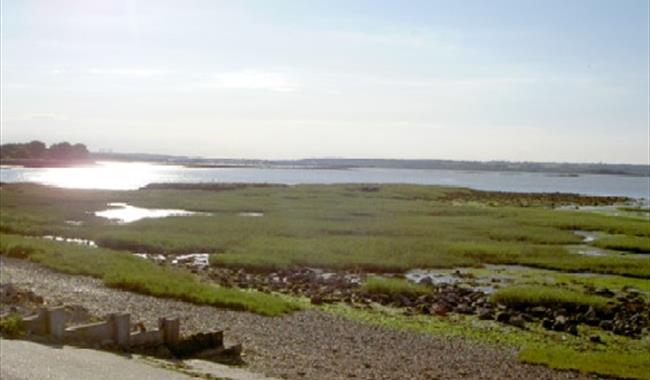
{"points": [[47, 163], [550, 169], [553, 168]]}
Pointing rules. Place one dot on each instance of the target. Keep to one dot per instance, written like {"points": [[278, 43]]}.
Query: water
{"points": [[130, 176], [435, 277], [194, 259], [78, 241], [587, 236], [124, 213], [455, 277], [251, 214], [588, 250]]}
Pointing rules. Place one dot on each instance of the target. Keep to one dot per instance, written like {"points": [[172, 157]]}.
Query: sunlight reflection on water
{"points": [[125, 213], [105, 175]]}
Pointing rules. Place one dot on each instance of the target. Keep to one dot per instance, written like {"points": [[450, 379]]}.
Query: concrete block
{"points": [[37, 324], [171, 330], [146, 338], [56, 322], [121, 326], [91, 333]]}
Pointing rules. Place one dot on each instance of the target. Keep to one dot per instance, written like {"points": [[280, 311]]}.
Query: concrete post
{"points": [[171, 331], [121, 326], [56, 322], [217, 339]]}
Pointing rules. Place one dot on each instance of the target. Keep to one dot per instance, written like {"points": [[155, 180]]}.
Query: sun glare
{"points": [[107, 175]]}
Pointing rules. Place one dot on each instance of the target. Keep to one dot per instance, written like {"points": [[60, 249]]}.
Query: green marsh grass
{"points": [[381, 228], [125, 271], [523, 296], [633, 244], [623, 365]]}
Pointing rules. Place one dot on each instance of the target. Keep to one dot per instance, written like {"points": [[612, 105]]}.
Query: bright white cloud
{"points": [[256, 80], [131, 72]]}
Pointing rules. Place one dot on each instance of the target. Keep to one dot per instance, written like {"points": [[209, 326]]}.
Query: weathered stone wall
{"points": [[146, 338], [116, 330], [100, 332]]}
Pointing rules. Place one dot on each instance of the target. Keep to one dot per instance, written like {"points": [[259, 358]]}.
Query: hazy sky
{"points": [[520, 80]]}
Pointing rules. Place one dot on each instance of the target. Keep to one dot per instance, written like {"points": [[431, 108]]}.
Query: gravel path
{"points": [[307, 344]]}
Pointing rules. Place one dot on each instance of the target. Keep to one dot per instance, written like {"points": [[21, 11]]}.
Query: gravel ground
{"points": [[307, 344]]}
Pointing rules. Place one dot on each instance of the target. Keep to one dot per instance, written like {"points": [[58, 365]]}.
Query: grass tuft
{"points": [[523, 296]]}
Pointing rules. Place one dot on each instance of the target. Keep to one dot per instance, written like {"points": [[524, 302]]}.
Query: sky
{"points": [[520, 80]]}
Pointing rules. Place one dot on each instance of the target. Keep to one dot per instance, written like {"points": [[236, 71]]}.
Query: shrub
{"points": [[12, 325]]}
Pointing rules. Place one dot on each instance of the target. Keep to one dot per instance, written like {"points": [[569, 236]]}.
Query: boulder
{"points": [[485, 313], [517, 321], [595, 338], [503, 317]]}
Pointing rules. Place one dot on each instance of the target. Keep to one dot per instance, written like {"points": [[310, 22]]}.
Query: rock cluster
{"points": [[16, 300], [320, 286], [628, 314]]}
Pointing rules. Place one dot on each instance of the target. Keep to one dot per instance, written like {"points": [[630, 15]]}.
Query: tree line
{"points": [[38, 150]]}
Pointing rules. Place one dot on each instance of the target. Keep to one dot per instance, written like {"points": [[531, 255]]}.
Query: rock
{"points": [[503, 317], [439, 309], [423, 309], [517, 321], [464, 309], [595, 338], [538, 311], [558, 326], [606, 325], [560, 323], [572, 329], [485, 313], [604, 292], [527, 317], [561, 319], [403, 301], [591, 317]]}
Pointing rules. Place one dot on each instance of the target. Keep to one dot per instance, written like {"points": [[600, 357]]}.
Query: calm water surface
{"points": [[128, 176]]}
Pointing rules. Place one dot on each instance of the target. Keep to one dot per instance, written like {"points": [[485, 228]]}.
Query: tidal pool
{"points": [[125, 213], [454, 277], [251, 214], [587, 236], [588, 250], [194, 259], [417, 275], [78, 241], [157, 258]]}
